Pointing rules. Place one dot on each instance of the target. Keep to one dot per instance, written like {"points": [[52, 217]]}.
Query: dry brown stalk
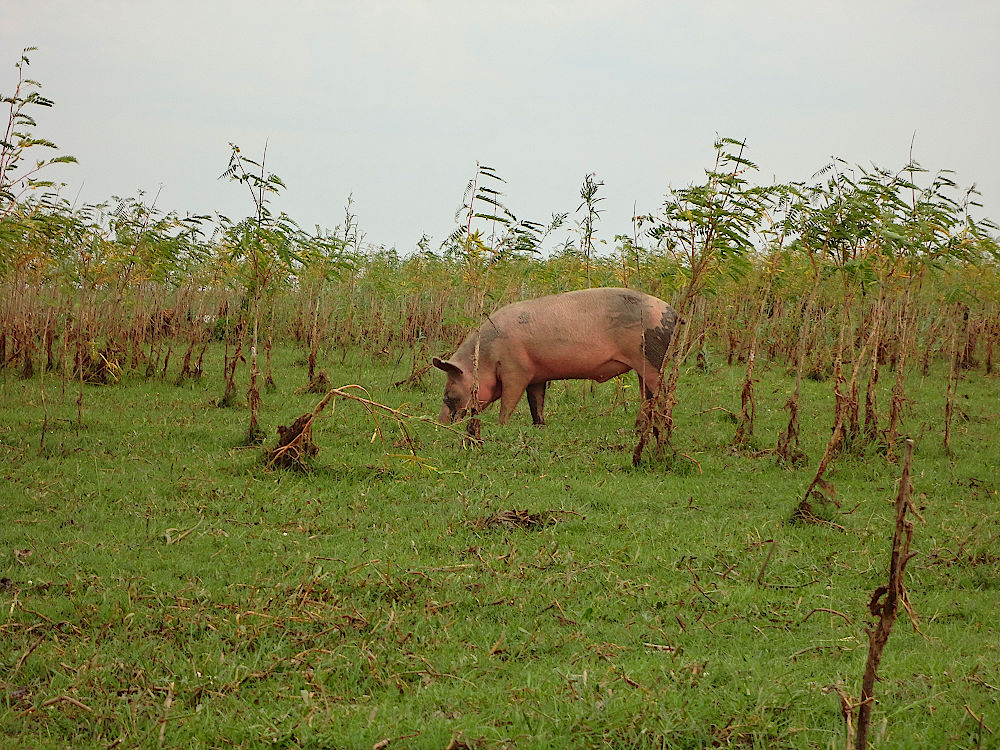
{"points": [[895, 595], [991, 331], [979, 720], [847, 711], [749, 404], [416, 372], [41, 387], [62, 699], [166, 708], [656, 414], [907, 322], [871, 400], [953, 364], [819, 486], [26, 654], [655, 417], [787, 449], [767, 560]]}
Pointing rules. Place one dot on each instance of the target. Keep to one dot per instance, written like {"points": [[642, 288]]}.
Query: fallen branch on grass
{"points": [[59, 699], [26, 654], [295, 441], [830, 611]]}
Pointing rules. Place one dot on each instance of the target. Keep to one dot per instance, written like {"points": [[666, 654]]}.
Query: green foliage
{"points": [[503, 234], [16, 180], [704, 226], [589, 200]]}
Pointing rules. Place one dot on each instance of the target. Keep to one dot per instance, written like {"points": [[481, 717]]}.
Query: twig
{"points": [[166, 707], [66, 699], [766, 561], [395, 412], [694, 582], [831, 611], [807, 649], [496, 646], [26, 654], [846, 710], [370, 405], [796, 586], [183, 534], [685, 455], [661, 647], [382, 744], [979, 721], [717, 408]]}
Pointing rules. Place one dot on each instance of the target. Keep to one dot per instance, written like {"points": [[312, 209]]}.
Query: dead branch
{"points": [[295, 440], [846, 710], [895, 595], [26, 654], [830, 611], [766, 561]]}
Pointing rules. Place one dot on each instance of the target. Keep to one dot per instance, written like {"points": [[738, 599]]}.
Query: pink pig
{"points": [[592, 334]]}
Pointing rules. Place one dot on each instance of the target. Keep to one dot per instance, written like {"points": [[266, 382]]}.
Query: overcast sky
{"points": [[395, 101]]}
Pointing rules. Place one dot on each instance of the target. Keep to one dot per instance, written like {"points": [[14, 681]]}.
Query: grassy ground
{"points": [[163, 589]]}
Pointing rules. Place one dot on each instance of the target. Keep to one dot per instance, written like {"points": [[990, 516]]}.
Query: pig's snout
{"points": [[450, 411]]}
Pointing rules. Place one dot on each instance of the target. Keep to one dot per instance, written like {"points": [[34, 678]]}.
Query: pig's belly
{"points": [[570, 370]]}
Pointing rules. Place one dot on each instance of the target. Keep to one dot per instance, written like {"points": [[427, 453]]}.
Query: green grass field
{"points": [[162, 588]]}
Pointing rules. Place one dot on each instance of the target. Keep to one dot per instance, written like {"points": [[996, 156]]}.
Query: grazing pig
{"points": [[593, 334]]}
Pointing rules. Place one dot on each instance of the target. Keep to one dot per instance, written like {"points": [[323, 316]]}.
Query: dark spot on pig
{"points": [[489, 334], [656, 340], [625, 311], [524, 318], [654, 345]]}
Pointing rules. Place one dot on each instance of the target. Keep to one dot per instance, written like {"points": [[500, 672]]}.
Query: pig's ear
{"points": [[449, 367]]}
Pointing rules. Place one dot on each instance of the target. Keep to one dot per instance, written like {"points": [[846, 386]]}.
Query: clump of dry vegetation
{"points": [[518, 519]]}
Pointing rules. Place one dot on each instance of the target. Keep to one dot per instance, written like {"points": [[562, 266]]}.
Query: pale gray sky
{"points": [[396, 100]]}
